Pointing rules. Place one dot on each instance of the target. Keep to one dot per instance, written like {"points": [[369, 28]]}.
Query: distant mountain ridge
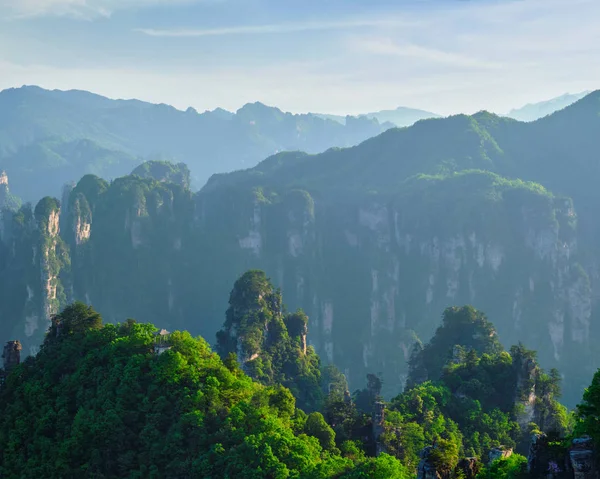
{"points": [[535, 111], [49, 138], [399, 117], [209, 142], [402, 116]]}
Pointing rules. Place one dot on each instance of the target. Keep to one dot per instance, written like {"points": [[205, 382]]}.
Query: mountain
{"points": [[372, 242], [41, 168], [61, 135], [399, 117], [534, 111]]}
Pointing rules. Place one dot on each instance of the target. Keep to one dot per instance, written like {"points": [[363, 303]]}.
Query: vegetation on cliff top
{"points": [[270, 343], [98, 401], [103, 400], [467, 396]]}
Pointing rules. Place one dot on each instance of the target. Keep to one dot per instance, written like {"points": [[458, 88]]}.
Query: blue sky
{"points": [[335, 56]]}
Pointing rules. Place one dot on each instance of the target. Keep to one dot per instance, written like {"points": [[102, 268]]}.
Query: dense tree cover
{"points": [[103, 401], [165, 171], [97, 401], [513, 467], [270, 343], [588, 411], [476, 397], [465, 328]]}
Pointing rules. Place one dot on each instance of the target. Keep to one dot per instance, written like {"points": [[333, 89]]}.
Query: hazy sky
{"points": [[337, 56]]}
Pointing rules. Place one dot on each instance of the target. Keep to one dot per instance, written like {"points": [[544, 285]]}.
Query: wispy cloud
{"points": [[280, 28], [386, 46], [438, 55], [80, 9]]}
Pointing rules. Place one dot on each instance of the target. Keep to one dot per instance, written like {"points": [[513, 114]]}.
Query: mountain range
{"points": [[371, 241], [400, 116], [48, 138]]}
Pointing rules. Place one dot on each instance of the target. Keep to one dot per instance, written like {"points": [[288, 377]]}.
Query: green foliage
{"points": [[513, 467], [465, 327], [316, 426], [587, 412], [271, 344], [477, 399], [165, 171], [45, 207], [97, 401], [75, 319], [381, 467], [366, 398]]}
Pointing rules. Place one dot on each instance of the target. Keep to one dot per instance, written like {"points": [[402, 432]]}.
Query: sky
{"points": [[327, 56]]}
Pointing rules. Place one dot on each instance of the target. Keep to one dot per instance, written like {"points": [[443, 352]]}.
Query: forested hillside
{"points": [[131, 400], [124, 401], [372, 242]]}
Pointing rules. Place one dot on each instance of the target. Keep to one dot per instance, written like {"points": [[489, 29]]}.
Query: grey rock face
{"points": [[581, 458]]}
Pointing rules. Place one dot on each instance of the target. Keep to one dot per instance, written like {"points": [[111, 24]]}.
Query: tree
{"points": [[76, 318], [588, 412], [317, 426]]}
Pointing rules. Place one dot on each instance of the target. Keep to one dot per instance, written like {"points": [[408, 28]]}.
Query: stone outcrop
{"points": [[499, 453], [11, 355], [535, 455], [4, 191], [546, 460], [426, 469], [378, 419], [525, 391], [469, 467], [582, 459]]}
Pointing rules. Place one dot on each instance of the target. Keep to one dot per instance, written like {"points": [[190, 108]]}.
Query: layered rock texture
{"points": [[372, 242]]}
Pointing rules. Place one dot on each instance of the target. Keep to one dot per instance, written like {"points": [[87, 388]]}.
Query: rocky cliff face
{"points": [[372, 273], [36, 264]]}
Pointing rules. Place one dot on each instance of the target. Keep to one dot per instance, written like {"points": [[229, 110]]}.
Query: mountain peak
{"points": [[257, 106]]}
